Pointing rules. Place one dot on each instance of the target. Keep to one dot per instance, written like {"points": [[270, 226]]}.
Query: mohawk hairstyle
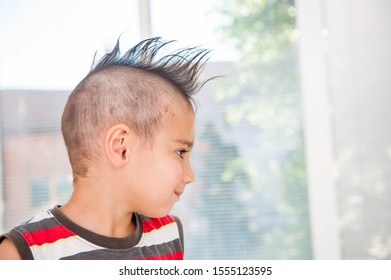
{"points": [[182, 68], [126, 88]]}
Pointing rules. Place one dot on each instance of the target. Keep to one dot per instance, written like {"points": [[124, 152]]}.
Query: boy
{"points": [[128, 128]]}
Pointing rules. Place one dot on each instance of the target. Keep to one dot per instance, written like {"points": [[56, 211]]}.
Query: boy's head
{"points": [[127, 89]]}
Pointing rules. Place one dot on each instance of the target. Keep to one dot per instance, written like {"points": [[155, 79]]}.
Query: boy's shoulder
{"points": [[43, 220], [17, 239]]}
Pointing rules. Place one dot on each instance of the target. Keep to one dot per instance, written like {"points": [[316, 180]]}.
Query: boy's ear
{"points": [[117, 144]]}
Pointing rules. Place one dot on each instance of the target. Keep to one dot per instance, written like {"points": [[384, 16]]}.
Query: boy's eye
{"points": [[181, 153]]}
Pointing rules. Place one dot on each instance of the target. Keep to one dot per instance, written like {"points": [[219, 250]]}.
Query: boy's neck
{"points": [[94, 207]]}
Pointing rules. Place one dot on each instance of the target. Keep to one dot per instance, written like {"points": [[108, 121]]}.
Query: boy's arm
{"points": [[8, 250]]}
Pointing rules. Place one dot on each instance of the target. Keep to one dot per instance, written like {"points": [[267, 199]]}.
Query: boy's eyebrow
{"points": [[189, 144]]}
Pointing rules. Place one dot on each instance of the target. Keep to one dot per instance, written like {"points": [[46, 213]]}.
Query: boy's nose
{"points": [[188, 174]]}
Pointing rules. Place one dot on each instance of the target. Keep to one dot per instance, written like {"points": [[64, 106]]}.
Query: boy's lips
{"points": [[178, 193]]}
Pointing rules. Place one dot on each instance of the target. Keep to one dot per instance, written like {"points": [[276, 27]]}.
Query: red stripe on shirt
{"points": [[47, 235], [174, 256], [153, 224]]}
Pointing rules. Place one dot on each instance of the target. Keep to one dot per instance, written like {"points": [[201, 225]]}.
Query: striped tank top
{"points": [[51, 235]]}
